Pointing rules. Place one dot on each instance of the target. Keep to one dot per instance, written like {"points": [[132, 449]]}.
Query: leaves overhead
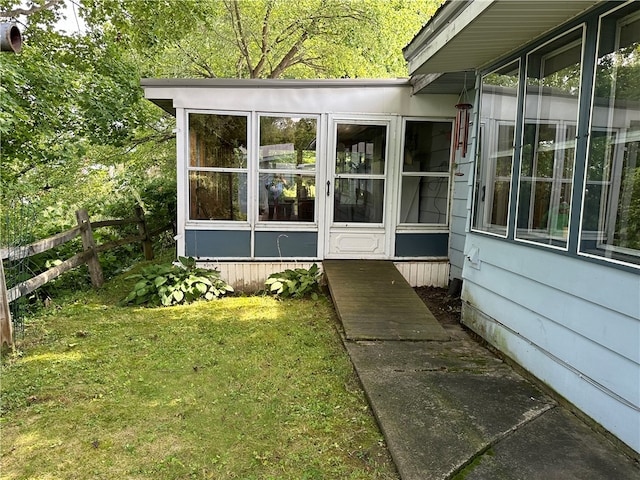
{"points": [[265, 38], [71, 103]]}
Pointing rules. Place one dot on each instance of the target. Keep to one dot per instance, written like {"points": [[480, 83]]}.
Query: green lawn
{"points": [[243, 387]]}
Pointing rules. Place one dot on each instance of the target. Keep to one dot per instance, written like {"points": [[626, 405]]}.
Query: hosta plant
{"points": [[295, 283], [176, 283]]}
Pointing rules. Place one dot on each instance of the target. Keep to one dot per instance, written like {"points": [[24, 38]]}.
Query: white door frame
{"points": [[359, 240]]}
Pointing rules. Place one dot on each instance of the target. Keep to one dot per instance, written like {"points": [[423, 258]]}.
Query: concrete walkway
{"points": [[449, 409]]}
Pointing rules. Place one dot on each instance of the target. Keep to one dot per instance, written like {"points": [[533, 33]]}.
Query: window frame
{"points": [[607, 217], [539, 236], [591, 23], [487, 148], [418, 226], [221, 224], [258, 224]]}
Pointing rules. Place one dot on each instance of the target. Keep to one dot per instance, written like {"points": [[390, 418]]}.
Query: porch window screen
{"points": [[492, 191], [611, 210], [425, 173], [287, 169], [549, 140], [217, 167]]}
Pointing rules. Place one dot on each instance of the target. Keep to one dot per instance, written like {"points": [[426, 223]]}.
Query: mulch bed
{"points": [[445, 308]]}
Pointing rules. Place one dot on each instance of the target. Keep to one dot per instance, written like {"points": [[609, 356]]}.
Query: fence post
{"points": [[147, 245], [89, 243], [6, 326]]}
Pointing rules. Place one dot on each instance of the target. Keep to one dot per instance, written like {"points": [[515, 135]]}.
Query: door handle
{"points": [[328, 188]]}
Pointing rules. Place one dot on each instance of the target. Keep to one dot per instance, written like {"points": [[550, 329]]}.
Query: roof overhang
{"points": [[467, 35], [156, 89]]}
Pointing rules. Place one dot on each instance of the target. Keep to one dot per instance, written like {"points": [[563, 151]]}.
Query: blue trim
{"points": [[217, 243], [286, 244], [582, 140], [422, 244]]}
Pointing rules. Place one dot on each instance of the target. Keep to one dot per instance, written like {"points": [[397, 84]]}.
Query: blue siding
{"points": [[573, 324], [217, 243], [291, 244], [422, 244]]}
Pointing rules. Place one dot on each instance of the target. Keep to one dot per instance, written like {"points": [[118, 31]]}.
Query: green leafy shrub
{"points": [[295, 283], [174, 284]]}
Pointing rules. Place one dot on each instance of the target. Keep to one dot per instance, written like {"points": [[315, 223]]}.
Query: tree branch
{"points": [[264, 42], [207, 70], [289, 57], [236, 22], [30, 11]]}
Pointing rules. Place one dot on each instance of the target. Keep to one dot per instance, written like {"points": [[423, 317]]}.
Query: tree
{"points": [[72, 116], [265, 38], [70, 108]]}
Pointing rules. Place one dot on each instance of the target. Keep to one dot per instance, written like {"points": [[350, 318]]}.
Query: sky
{"points": [[72, 23]]}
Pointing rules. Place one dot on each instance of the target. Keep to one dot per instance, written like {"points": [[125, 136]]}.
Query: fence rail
{"points": [[88, 255]]}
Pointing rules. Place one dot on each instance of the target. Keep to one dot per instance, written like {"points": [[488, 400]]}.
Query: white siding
{"points": [[424, 274], [250, 276], [573, 324]]}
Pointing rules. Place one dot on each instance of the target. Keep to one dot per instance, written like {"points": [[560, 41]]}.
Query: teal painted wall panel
{"points": [[217, 243], [286, 244], [422, 244]]}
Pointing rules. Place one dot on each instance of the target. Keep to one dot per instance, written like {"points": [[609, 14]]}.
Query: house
{"points": [[509, 161], [549, 205], [275, 173]]}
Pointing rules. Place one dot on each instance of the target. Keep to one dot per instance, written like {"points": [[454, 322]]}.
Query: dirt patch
{"points": [[445, 308]]}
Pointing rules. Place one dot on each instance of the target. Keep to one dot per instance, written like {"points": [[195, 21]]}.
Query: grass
{"points": [[243, 387]]}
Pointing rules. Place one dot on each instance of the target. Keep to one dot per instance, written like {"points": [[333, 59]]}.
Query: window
{"points": [[611, 205], [217, 167], [287, 169], [361, 152], [425, 173], [549, 140], [499, 107]]}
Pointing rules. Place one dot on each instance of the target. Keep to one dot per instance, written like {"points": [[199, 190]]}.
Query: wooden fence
{"points": [[88, 255]]}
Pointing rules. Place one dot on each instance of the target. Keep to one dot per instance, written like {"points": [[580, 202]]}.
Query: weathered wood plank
{"points": [[6, 326], [25, 288], [89, 245], [375, 302], [114, 223], [39, 246]]}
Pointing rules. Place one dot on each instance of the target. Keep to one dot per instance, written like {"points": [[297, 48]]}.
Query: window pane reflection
{"points": [[217, 196], [361, 149], [358, 200], [217, 141], [493, 171], [549, 139], [424, 200], [287, 197], [610, 221], [425, 172], [287, 142]]}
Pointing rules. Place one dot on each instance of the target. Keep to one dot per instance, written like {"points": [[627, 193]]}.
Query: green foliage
{"points": [[264, 38], [171, 284], [75, 130], [295, 283]]}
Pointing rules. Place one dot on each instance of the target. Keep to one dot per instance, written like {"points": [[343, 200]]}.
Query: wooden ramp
{"points": [[375, 302]]}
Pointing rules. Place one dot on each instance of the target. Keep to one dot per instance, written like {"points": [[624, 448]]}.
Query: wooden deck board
{"points": [[375, 302]]}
